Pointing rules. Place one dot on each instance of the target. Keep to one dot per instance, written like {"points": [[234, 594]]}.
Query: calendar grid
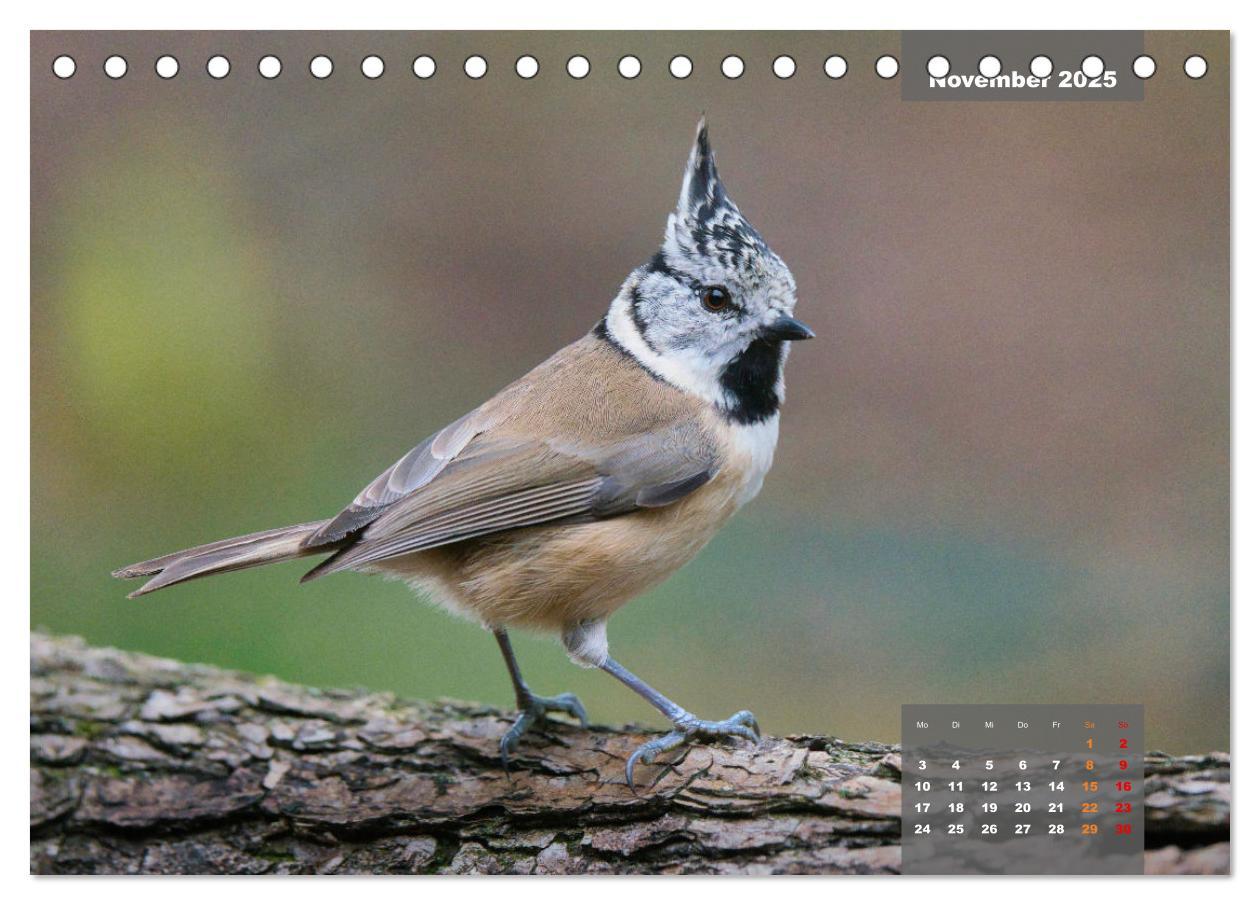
{"points": [[1022, 789]]}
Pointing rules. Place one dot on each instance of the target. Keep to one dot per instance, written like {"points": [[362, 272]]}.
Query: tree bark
{"points": [[145, 765]]}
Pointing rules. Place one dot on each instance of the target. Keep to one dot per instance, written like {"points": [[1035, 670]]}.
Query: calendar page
{"points": [[580, 451]]}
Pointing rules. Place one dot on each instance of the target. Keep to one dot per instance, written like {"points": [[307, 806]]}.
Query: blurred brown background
{"points": [[1003, 472]]}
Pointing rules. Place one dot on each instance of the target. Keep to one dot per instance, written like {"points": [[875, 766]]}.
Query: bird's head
{"points": [[711, 312]]}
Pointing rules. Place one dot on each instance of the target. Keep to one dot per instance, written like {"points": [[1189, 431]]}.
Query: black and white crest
{"points": [[706, 223]]}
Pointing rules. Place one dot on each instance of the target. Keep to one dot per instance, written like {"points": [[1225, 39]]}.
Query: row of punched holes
{"points": [[629, 66]]}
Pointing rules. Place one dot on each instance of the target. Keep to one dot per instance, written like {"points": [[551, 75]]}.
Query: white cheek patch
{"points": [[684, 368]]}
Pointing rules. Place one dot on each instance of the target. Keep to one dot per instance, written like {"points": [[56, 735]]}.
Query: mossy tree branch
{"points": [[145, 765]]}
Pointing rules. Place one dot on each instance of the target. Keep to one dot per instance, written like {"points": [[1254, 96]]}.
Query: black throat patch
{"points": [[751, 380]]}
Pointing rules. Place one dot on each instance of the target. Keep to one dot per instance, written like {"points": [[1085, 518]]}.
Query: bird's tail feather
{"points": [[245, 552]]}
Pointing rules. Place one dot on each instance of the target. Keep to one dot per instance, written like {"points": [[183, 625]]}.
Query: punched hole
{"points": [[321, 66], [938, 66], [1041, 66], [1195, 66], [269, 67], [1144, 66], [527, 66], [166, 67], [423, 67], [218, 66]]}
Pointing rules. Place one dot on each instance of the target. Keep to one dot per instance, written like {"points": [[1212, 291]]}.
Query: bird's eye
{"points": [[715, 298]]}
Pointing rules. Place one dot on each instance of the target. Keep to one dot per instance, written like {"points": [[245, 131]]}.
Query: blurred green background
{"points": [[1003, 471]]}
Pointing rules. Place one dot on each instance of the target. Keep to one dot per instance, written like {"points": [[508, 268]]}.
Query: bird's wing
{"points": [[414, 470], [586, 435], [498, 482]]}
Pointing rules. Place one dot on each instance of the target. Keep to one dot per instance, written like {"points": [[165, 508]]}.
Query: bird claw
{"points": [[691, 729], [535, 709]]}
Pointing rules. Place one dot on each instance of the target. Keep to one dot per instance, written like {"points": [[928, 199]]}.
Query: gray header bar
{"points": [[1067, 78]]}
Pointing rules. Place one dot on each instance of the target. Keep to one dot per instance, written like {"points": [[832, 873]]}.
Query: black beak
{"points": [[788, 329]]}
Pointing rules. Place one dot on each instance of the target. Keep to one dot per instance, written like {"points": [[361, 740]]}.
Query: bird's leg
{"points": [[530, 705], [688, 727]]}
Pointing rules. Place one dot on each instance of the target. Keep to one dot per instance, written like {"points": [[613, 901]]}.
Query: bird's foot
{"points": [[689, 730], [534, 709]]}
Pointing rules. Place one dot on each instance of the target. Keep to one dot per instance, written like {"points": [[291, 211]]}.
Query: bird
{"points": [[590, 479]]}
